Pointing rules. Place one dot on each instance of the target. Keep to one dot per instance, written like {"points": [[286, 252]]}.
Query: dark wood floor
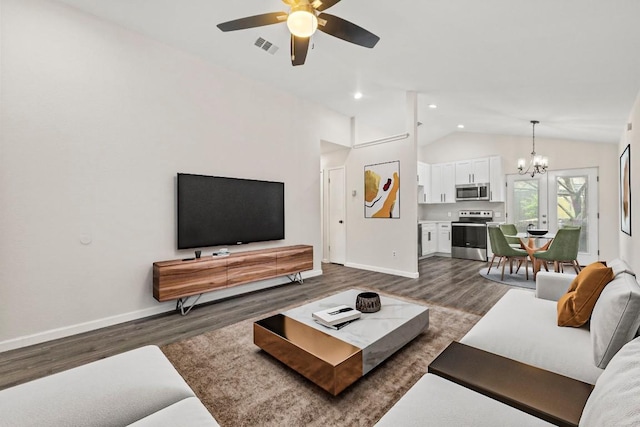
{"points": [[446, 281]]}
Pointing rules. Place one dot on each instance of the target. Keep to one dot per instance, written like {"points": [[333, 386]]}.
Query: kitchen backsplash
{"points": [[449, 211]]}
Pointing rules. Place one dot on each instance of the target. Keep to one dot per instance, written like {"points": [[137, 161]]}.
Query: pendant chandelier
{"points": [[537, 164]]}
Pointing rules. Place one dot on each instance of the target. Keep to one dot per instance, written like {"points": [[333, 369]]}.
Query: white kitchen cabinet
{"points": [[463, 172], [423, 170], [423, 195], [444, 237], [429, 239], [496, 180], [443, 188], [424, 182], [474, 171]]}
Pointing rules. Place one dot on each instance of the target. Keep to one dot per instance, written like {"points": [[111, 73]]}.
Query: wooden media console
{"points": [[178, 279]]}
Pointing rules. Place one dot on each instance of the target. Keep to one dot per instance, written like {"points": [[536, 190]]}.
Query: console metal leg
{"points": [[296, 277], [180, 304]]}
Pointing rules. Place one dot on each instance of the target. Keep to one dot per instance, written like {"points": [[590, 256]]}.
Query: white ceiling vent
{"points": [[266, 45]]}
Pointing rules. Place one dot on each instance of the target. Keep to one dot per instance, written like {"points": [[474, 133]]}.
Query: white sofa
{"points": [[139, 388], [523, 326]]}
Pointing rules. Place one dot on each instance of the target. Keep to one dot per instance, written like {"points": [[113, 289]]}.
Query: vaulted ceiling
{"points": [[490, 65]]}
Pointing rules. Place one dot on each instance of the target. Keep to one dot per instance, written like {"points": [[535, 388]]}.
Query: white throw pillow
{"points": [[615, 319], [614, 400]]}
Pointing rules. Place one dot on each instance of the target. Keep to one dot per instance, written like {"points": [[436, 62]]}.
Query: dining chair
{"points": [[563, 249], [501, 248], [509, 231]]}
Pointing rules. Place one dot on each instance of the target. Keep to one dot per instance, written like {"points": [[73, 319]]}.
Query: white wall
{"points": [[562, 154], [629, 244], [97, 121], [371, 242]]}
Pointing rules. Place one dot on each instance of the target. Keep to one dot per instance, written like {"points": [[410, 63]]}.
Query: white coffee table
{"points": [[334, 359]]}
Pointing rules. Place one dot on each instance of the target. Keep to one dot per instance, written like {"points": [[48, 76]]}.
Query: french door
{"points": [[557, 199], [527, 201]]}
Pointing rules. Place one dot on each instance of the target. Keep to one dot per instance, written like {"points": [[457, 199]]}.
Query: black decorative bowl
{"points": [[537, 232], [368, 302]]}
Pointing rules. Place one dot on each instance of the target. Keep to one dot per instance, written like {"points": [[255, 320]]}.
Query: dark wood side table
{"points": [[552, 397]]}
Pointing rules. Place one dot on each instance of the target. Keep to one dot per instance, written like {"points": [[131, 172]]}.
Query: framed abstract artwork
{"points": [[382, 190], [625, 190]]}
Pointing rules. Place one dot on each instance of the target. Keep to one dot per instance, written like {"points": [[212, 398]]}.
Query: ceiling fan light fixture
{"points": [[302, 21], [304, 18]]}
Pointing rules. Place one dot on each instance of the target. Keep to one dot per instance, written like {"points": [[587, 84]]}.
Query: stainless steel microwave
{"points": [[472, 192]]}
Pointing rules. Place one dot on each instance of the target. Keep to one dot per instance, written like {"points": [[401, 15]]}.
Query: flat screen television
{"points": [[215, 210]]}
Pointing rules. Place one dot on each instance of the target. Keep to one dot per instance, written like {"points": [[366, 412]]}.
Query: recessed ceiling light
{"points": [[460, 126], [357, 95], [433, 106]]}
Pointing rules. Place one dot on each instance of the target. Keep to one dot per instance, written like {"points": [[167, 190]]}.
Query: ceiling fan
{"points": [[303, 19]]}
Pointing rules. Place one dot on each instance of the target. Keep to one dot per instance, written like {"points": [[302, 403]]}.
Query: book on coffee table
{"points": [[335, 327], [336, 316]]}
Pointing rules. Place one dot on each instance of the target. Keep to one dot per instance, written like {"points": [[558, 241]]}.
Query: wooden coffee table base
{"points": [[543, 394], [330, 363]]}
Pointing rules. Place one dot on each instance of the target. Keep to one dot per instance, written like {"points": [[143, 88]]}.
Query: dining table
{"points": [[534, 243]]}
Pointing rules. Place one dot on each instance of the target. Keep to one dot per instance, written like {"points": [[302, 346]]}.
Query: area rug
{"points": [[243, 386], [516, 279]]}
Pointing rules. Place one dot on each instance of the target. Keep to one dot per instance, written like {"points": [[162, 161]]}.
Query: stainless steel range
{"points": [[469, 235]]}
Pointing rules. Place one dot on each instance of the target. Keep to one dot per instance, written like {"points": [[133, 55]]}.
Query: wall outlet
{"points": [[394, 254], [449, 214]]}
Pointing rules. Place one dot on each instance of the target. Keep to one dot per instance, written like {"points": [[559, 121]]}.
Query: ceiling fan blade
{"points": [[321, 5], [253, 21], [299, 49], [346, 30]]}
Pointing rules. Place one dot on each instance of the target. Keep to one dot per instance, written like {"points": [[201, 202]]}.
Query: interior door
{"points": [[337, 226]]}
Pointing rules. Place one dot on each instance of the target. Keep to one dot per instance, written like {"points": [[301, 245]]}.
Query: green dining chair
{"points": [[510, 230], [502, 249], [562, 250]]}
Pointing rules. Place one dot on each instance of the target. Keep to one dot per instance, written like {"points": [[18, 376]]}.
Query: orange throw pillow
{"points": [[575, 307]]}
